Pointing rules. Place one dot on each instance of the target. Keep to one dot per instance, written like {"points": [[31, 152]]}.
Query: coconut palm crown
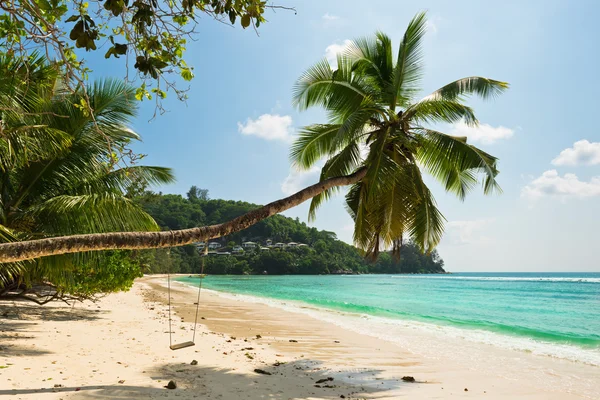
{"points": [[377, 126], [59, 166]]}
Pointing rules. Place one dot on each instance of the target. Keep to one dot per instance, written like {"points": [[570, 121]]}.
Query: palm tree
{"points": [[370, 100], [377, 126], [61, 171]]}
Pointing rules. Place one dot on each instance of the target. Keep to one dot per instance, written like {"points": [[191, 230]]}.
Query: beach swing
{"points": [[191, 343]]}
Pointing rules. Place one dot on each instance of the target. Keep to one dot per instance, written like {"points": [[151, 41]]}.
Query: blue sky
{"points": [[232, 136]]}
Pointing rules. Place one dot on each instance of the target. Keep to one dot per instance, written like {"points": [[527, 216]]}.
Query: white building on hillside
{"points": [[249, 245], [237, 250], [214, 245]]}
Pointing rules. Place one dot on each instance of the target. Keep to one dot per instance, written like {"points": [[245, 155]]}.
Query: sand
{"points": [[118, 349]]}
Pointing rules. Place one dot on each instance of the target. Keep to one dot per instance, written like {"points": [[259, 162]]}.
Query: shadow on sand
{"points": [[19, 322], [209, 383], [10, 311]]}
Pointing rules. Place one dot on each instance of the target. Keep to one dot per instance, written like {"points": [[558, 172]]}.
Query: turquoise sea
{"points": [[556, 312]]}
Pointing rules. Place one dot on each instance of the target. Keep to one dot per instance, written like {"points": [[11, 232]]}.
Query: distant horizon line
{"points": [[528, 272]]}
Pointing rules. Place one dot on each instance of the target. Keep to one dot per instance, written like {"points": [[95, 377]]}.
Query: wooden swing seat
{"points": [[191, 343], [181, 345]]}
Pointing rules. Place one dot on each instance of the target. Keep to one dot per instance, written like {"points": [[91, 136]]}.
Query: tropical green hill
{"points": [[323, 253]]}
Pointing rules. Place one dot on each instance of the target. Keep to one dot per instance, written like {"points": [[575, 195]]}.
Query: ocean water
{"points": [[554, 314]]}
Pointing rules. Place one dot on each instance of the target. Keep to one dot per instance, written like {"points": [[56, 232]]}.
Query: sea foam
{"points": [[425, 338]]}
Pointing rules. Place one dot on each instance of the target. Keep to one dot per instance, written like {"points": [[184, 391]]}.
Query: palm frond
{"points": [[106, 212], [316, 202], [382, 167], [372, 58], [343, 163], [113, 101], [455, 163], [122, 179], [313, 142], [24, 144], [484, 87], [340, 91], [431, 110], [408, 70], [357, 207], [427, 223], [388, 215]]}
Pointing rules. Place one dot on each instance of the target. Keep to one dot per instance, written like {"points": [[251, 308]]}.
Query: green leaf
{"points": [[187, 74], [433, 110], [483, 87], [245, 21], [408, 70], [455, 163]]}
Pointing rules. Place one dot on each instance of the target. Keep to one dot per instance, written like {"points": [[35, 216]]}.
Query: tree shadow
{"points": [[13, 332], [15, 350], [29, 312], [290, 380], [19, 323]]}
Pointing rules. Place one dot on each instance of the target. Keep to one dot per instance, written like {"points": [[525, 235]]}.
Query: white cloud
{"points": [[468, 232], [330, 17], [551, 184], [582, 153], [269, 127], [297, 180], [332, 51], [483, 133]]}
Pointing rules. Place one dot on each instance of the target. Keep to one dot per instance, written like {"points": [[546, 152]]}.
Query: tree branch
{"points": [[43, 294], [26, 250]]}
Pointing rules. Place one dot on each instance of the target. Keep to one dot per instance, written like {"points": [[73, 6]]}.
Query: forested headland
{"points": [[323, 253]]}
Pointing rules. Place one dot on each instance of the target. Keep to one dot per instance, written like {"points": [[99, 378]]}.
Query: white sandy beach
{"points": [[118, 349]]}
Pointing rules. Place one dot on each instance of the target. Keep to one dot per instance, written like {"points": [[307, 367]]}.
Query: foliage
{"points": [[412, 261], [153, 33], [377, 124], [59, 177], [324, 255], [117, 272]]}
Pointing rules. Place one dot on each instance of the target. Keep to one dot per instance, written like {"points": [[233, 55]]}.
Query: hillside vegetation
{"points": [[324, 254]]}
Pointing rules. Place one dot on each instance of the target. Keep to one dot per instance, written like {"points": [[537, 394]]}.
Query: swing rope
{"points": [[199, 290], [192, 343]]}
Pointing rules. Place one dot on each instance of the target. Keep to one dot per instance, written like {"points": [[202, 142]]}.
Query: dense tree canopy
{"points": [[325, 253], [59, 177]]}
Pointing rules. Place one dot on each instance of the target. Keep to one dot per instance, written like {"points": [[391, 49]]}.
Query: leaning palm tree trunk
{"points": [[26, 250]]}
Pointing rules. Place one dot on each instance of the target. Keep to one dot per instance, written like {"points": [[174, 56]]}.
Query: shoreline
{"points": [[552, 377], [125, 338], [523, 343]]}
